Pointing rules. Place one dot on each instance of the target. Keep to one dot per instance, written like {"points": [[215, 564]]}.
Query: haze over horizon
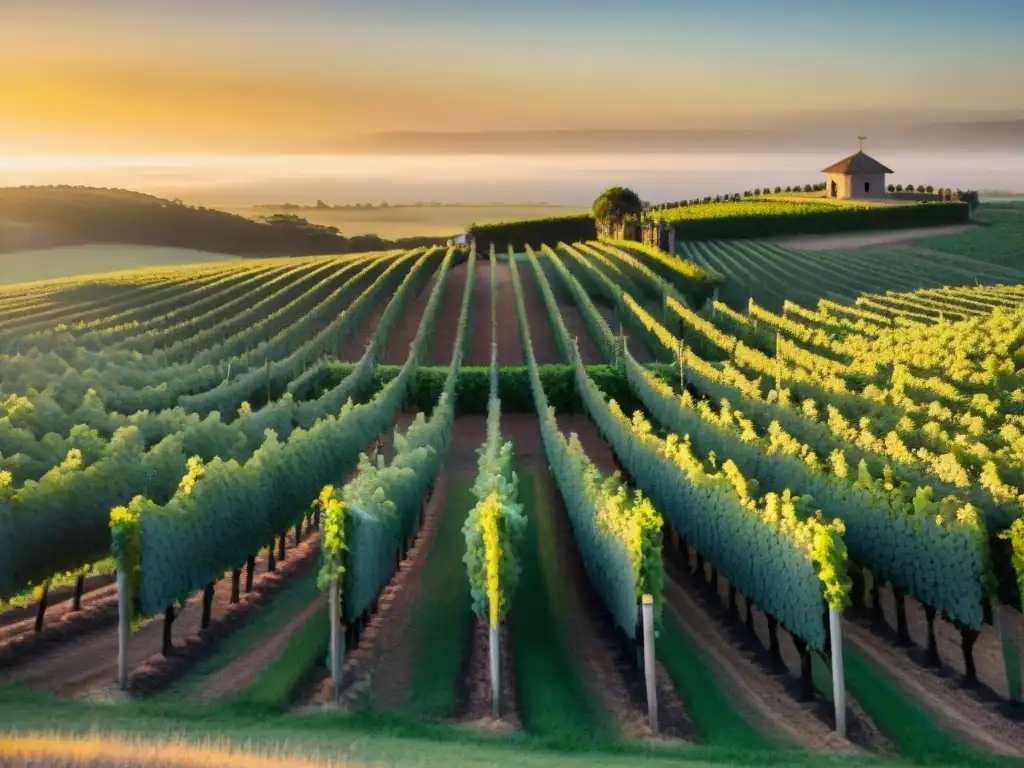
{"points": [[137, 77]]}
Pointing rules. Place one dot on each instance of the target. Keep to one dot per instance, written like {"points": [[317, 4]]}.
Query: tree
{"points": [[920, 187], [778, 190], [615, 204], [892, 187], [899, 187], [929, 189]]}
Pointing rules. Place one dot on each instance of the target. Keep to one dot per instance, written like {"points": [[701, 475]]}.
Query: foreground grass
{"points": [[716, 720], [553, 701], [441, 621], [361, 739], [41, 749]]}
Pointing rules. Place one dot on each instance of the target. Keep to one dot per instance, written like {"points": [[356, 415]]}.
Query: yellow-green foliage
{"points": [[755, 207], [332, 537]]}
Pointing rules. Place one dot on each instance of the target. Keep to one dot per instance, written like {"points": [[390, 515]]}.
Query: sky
{"points": [[220, 76]]}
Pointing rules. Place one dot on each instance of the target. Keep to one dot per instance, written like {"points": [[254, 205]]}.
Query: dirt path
{"points": [[85, 666], [607, 672], [447, 326], [545, 350], [510, 349], [761, 697], [242, 672], [988, 649], [382, 666], [970, 719], [396, 352], [13, 620], [354, 346], [18, 638], [841, 242], [479, 350]]}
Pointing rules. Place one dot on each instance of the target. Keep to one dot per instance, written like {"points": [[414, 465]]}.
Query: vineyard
{"points": [[494, 501]]}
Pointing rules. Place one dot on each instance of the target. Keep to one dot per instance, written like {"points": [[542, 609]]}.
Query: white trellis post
{"points": [[838, 677], [336, 640], [495, 659], [650, 661], [123, 630]]}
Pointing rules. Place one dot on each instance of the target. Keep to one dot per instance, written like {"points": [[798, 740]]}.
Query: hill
{"points": [[526, 454], [76, 260], [46, 217]]}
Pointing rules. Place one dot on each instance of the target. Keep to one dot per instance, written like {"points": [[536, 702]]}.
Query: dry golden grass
{"points": [[54, 750]]}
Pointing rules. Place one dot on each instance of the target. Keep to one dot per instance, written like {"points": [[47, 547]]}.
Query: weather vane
{"points": [[860, 142]]}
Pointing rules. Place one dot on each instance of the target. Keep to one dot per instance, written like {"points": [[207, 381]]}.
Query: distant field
{"points": [[71, 260], [413, 220]]}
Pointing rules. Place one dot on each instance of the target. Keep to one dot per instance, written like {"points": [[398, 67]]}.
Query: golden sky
{"points": [[120, 76]]}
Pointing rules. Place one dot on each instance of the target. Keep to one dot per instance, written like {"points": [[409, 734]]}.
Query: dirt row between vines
{"points": [[572, 316], [84, 665], [396, 351], [379, 671], [545, 350], [98, 605], [607, 672], [447, 326], [761, 697]]}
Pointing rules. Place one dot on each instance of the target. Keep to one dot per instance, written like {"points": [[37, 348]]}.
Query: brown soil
{"points": [[479, 349], [598, 450], [58, 601], [861, 729], [761, 697], [20, 641], [479, 713], [353, 346], [85, 665], [609, 672], [510, 349], [972, 720], [448, 315], [396, 352], [243, 670], [545, 350], [841, 242], [988, 649], [381, 667], [385, 632]]}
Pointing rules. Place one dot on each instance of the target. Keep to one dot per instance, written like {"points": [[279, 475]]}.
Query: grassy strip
{"points": [[554, 704], [286, 604], [370, 740], [900, 718], [714, 717], [278, 683], [440, 624]]}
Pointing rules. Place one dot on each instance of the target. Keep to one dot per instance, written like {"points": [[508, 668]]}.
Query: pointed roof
{"points": [[858, 162]]}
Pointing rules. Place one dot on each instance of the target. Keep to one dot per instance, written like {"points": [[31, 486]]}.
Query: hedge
{"points": [[473, 388], [824, 220], [533, 232]]}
